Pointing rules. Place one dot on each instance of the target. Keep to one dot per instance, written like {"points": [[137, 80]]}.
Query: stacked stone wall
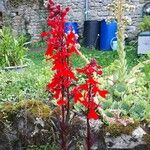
{"points": [[32, 18]]}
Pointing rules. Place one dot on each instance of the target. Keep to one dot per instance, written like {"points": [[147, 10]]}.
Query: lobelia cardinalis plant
{"points": [[86, 93], [60, 47]]}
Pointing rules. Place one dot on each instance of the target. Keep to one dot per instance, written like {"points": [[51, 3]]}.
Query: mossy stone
{"points": [[118, 129], [36, 108], [147, 138]]}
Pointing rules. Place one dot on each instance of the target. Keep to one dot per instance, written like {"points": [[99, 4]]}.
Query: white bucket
{"points": [[114, 44]]}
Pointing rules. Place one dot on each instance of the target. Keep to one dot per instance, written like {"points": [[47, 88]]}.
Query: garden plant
{"points": [[60, 48], [145, 24], [65, 99], [118, 8], [12, 48]]}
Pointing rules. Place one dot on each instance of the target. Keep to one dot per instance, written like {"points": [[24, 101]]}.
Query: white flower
{"points": [[45, 3], [78, 46], [128, 20]]}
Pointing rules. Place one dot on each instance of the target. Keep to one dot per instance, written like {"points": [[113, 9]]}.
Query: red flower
{"points": [[92, 115], [103, 93], [43, 34], [67, 9], [91, 68], [85, 103], [61, 102], [77, 95]]}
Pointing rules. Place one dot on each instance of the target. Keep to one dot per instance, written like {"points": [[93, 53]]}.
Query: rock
{"points": [[138, 133], [133, 141]]}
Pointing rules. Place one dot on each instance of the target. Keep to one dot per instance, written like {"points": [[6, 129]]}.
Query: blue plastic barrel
{"points": [[108, 32], [71, 26]]}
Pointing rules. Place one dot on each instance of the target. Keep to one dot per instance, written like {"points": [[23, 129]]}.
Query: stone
{"points": [[138, 133]]}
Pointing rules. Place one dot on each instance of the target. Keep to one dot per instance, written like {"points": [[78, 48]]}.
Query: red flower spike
{"points": [[88, 90], [60, 47]]}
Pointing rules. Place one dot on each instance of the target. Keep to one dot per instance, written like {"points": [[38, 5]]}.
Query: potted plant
{"points": [[144, 36], [12, 50], [145, 24]]}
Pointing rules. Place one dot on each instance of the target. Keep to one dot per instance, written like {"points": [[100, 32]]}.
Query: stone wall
{"points": [[27, 19], [97, 10], [32, 19]]}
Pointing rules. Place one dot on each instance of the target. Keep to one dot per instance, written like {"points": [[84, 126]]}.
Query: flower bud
{"points": [[67, 9], [58, 7]]}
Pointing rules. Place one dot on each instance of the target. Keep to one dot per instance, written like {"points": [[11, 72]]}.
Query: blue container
{"points": [[107, 34], [71, 26]]}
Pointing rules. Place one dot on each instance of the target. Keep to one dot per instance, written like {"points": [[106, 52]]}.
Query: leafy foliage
{"points": [[12, 48], [29, 84], [100, 56], [43, 147], [145, 24]]}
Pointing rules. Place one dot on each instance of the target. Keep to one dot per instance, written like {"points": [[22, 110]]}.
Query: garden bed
{"points": [[29, 124]]}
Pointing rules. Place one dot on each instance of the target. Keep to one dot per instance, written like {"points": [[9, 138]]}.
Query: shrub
{"points": [[145, 24], [12, 48]]}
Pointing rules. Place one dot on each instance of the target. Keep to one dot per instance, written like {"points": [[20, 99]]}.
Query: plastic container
{"points": [[91, 34], [144, 43], [71, 26], [114, 44], [107, 34]]}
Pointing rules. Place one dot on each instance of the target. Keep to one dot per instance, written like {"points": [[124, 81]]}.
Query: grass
{"points": [[36, 56], [104, 58]]}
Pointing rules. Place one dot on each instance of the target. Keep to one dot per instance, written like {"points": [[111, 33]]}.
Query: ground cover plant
{"points": [[29, 84]]}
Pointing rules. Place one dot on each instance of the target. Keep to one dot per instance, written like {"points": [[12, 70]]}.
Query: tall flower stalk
{"points": [[60, 47], [121, 41], [86, 93], [119, 8]]}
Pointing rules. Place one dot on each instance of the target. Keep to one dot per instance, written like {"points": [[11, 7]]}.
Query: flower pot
{"points": [[144, 43], [16, 68]]}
